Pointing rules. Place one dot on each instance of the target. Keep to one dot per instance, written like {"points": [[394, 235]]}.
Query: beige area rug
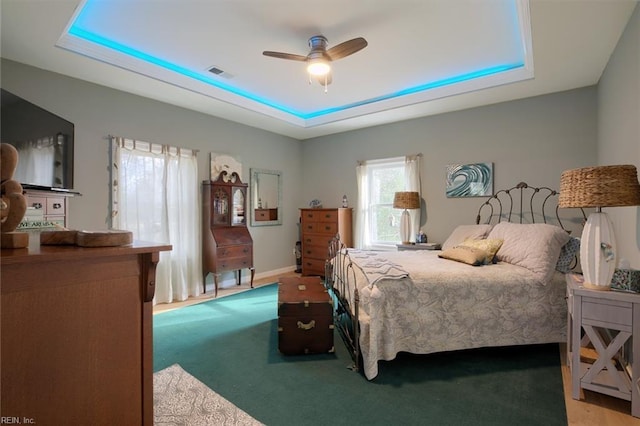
{"points": [[181, 399]]}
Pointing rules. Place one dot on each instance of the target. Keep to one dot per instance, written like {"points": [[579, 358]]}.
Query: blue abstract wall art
{"points": [[469, 180]]}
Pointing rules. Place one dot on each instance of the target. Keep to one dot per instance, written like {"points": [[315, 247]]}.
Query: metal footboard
{"points": [[340, 281]]}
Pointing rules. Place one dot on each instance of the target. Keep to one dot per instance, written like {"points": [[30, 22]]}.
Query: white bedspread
{"points": [[444, 305], [376, 266]]}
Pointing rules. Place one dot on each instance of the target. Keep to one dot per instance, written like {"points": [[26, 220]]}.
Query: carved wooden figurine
{"points": [[13, 203]]}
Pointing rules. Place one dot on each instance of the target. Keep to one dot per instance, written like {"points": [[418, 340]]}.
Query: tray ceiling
{"points": [[422, 58]]}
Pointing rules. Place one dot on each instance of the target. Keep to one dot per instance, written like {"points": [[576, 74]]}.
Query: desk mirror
{"points": [[266, 197]]}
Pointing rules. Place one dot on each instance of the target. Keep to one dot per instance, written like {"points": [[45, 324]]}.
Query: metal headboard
{"points": [[501, 205]]}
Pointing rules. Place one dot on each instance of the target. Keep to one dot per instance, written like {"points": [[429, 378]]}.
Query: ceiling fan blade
{"points": [[281, 55], [347, 48]]}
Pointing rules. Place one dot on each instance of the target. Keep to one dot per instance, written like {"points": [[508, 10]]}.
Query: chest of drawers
{"points": [[318, 227]]}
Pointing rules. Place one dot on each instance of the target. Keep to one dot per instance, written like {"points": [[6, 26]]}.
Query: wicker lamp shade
{"points": [[603, 186], [406, 200]]}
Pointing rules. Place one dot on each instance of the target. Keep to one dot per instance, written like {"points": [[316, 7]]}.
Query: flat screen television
{"points": [[44, 142]]}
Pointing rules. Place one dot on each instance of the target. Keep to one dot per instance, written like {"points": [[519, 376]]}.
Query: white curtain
{"points": [[155, 195], [363, 234]]}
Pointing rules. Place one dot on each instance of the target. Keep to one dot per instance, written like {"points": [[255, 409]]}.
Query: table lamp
{"points": [[602, 186], [406, 200]]}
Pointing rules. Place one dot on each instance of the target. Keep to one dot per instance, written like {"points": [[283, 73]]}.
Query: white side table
{"points": [[609, 319]]}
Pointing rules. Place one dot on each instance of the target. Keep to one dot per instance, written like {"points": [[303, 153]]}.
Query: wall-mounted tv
{"points": [[44, 142]]}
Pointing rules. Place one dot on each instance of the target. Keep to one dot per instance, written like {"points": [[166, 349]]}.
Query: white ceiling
{"points": [[549, 45]]}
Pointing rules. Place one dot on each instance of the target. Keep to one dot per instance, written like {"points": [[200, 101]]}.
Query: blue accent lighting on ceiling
{"points": [[89, 36]]}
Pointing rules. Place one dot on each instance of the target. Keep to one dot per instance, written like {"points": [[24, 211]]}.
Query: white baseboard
{"points": [[230, 279]]}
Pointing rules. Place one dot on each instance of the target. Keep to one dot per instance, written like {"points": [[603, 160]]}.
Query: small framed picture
{"points": [[469, 180]]}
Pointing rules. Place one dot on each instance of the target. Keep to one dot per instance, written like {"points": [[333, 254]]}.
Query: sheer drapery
{"points": [[363, 231], [363, 235], [155, 195]]}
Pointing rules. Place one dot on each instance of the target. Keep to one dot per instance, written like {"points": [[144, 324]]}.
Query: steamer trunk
{"points": [[305, 316]]}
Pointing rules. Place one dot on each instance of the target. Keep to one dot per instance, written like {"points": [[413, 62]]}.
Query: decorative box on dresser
{"points": [[226, 242], [77, 336], [318, 227], [50, 208], [611, 323]]}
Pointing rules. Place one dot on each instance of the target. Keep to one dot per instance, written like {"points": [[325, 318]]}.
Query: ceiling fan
{"points": [[319, 58]]}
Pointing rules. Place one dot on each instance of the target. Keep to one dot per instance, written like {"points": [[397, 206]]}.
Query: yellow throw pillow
{"points": [[489, 245], [469, 255]]}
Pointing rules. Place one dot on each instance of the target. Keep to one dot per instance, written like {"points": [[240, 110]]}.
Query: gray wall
{"points": [[619, 129], [98, 111], [531, 140]]}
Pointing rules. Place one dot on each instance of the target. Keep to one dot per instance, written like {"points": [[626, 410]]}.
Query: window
{"points": [[385, 179], [378, 224], [155, 196]]}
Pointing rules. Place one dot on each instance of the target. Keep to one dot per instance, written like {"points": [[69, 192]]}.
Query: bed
{"points": [[497, 282]]}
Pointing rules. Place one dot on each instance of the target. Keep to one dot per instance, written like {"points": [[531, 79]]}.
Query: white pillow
{"points": [[535, 246], [466, 232]]}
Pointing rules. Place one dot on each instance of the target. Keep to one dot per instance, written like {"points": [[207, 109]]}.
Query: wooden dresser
{"points": [[226, 242], [77, 342], [318, 227]]}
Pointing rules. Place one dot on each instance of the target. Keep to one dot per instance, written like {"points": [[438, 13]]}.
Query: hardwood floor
{"points": [[164, 307], [593, 409]]}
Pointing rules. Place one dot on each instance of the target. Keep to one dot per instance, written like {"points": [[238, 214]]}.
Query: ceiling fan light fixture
{"points": [[318, 67]]}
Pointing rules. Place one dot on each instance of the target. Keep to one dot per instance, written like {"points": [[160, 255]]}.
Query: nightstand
{"points": [[609, 320], [418, 246]]}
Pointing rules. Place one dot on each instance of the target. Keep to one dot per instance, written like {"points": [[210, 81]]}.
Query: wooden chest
{"points": [[318, 227], [305, 316]]}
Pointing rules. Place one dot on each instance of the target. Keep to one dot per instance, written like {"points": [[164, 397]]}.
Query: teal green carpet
{"points": [[231, 345]]}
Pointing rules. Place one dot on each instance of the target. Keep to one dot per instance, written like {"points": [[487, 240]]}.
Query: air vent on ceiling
{"points": [[219, 72]]}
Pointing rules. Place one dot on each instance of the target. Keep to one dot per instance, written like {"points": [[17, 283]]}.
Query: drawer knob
{"points": [[57, 205], [37, 205]]}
